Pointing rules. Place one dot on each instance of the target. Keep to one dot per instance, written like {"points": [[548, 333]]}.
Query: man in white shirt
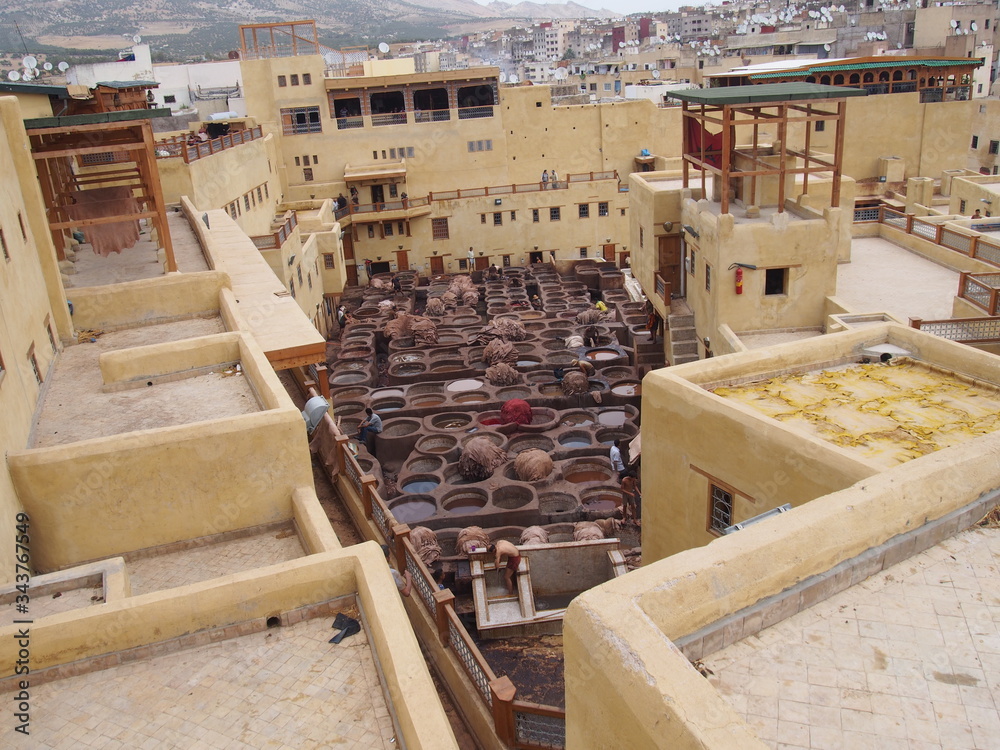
{"points": [[616, 458]]}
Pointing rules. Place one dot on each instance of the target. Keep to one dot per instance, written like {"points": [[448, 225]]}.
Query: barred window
{"points": [[300, 120], [554, 214], [602, 209], [439, 229], [720, 512], [584, 210], [328, 263]]}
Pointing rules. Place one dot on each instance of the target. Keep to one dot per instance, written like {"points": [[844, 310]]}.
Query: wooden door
{"points": [[609, 252], [402, 264], [348, 247], [437, 265], [623, 259], [669, 260], [482, 263], [352, 275]]}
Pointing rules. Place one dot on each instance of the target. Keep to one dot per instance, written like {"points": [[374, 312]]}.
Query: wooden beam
{"points": [[117, 148], [102, 220]]}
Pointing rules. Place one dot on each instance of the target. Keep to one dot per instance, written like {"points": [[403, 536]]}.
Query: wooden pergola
{"points": [[81, 153], [772, 105], [288, 39]]}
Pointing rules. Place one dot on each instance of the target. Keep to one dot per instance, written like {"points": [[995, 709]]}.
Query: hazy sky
{"points": [[624, 7]]}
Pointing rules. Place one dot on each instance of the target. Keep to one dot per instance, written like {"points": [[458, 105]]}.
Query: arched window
{"points": [[911, 74], [838, 80], [883, 76], [855, 78], [869, 78], [811, 79], [897, 75], [825, 80]]}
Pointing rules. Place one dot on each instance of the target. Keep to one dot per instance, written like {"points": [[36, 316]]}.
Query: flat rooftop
{"points": [[889, 413], [908, 658], [885, 277], [76, 407], [281, 688]]}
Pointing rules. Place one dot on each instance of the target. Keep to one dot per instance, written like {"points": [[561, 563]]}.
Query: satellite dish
{"points": [[826, 47], [514, 79], [63, 67], [503, 78], [656, 74], [29, 62], [47, 66], [26, 75], [136, 39], [621, 44], [954, 24], [383, 47], [13, 75], [899, 45], [561, 74], [974, 26]]}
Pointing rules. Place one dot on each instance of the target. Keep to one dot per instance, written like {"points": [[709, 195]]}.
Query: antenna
{"points": [[29, 62], [656, 74], [383, 47], [63, 67], [47, 66], [14, 75]]}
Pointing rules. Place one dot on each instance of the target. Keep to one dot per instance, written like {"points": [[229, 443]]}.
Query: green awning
{"points": [[767, 92], [900, 62]]}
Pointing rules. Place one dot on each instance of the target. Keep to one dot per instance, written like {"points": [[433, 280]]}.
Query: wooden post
{"points": [[993, 302], [342, 441], [915, 323], [973, 243], [937, 233], [909, 223], [727, 144], [400, 532], [443, 599], [503, 692], [367, 486], [324, 381], [838, 152], [962, 276]]}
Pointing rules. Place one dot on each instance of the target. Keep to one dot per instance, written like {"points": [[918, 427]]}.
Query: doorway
{"points": [[378, 194], [437, 265], [482, 263], [402, 264], [535, 257], [377, 268], [609, 252], [669, 260]]}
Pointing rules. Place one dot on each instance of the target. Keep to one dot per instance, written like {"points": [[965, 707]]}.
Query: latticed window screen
{"points": [[722, 509]]}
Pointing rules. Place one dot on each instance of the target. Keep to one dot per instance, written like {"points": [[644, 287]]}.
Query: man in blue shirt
{"points": [[372, 423]]}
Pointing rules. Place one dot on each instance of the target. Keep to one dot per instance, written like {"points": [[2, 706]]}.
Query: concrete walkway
{"points": [[885, 277]]}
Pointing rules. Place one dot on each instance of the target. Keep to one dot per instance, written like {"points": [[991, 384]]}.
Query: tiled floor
{"points": [[202, 563], [908, 659], [282, 688], [49, 604]]}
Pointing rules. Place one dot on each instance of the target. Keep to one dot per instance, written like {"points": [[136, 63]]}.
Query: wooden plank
{"points": [[111, 149], [102, 220]]}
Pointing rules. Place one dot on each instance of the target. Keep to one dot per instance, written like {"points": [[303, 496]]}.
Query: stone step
{"points": [[680, 321], [684, 333], [684, 347], [680, 360]]}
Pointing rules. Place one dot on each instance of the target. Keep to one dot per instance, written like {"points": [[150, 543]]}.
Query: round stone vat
{"points": [[447, 365], [399, 427], [627, 388], [588, 470], [526, 360], [561, 358], [387, 393], [422, 388], [601, 355], [601, 502], [472, 397], [451, 421], [612, 418], [551, 389], [561, 326], [412, 508], [361, 328], [420, 484], [576, 419], [341, 395], [608, 435], [346, 365], [616, 373], [430, 399], [451, 338], [344, 408], [512, 496], [388, 404], [345, 378], [520, 443], [542, 419], [466, 320], [451, 476], [550, 503], [497, 438], [425, 464], [407, 370], [513, 391], [555, 345], [355, 352], [435, 444], [468, 384], [404, 357], [575, 439], [367, 312], [401, 342], [464, 502]]}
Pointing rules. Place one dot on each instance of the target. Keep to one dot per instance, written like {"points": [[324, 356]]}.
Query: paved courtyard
{"points": [[909, 658]]}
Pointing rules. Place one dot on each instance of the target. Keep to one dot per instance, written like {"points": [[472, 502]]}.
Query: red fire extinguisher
{"points": [[739, 280]]}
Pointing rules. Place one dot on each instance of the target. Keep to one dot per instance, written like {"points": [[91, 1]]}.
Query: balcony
{"points": [[173, 147]]}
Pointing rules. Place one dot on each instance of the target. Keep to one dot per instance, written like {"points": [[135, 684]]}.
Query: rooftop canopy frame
{"points": [[71, 158], [775, 106]]}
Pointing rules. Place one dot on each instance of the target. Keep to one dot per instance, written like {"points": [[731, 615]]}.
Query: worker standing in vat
{"points": [[371, 424], [616, 458], [504, 549], [632, 505]]}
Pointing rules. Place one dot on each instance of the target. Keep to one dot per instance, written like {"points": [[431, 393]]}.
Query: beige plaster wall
{"points": [[157, 360], [148, 301]]}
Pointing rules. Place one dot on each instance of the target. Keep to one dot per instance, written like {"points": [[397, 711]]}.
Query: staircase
{"points": [[680, 334]]}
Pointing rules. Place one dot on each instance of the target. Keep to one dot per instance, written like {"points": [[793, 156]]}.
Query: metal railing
{"points": [[432, 115], [526, 187], [423, 582], [471, 659], [538, 726], [389, 118], [473, 113], [381, 515], [173, 147], [346, 123], [277, 238]]}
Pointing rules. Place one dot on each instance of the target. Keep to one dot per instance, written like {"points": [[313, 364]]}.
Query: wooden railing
{"points": [[973, 245], [527, 187], [518, 724], [964, 330], [179, 146], [981, 290], [277, 238]]}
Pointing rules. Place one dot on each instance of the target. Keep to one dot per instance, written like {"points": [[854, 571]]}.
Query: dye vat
{"points": [[436, 443], [575, 440], [412, 368], [556, 502], [412, 508], [527, 362], [475, 397], [469, 384], [451, 421], [628, 388], [580, 472], [576, 419], [613, 418], [399, 427], [512, 496], [388, 404], [428, 400], [387, 393], [464, 502], [603, 502], [529, 442], [344, 378], [424, 464], [599, 355], [506, 394], [551, 389], [404, 358], [420, 484]]}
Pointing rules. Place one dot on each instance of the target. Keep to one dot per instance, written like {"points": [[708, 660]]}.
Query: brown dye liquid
{"points": [[586, 476]]}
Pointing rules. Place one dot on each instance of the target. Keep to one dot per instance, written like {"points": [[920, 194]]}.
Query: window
{"points": [[305, 160], [282, 81], [621, 211], [260, 197], [708, 278], [232, 210], [439, 229], [820, 126], [399, 228], [554, 214], [2, 370], [486, 145], [295, 79], [498, 219], [371, 231], [307, 174], [33, 361], [315, 159], [309, 279], [506, 261], [775, 281], [266, 195], [387, 229], [583, 252], [961, 207], [693, 267], [3, 245], [642, 237], [20, 223], [246, 202], [169, 99], [602, 209], [593, 87], [720, 508], [48, 330], [584, 210], [299, 273], [307, 79], [513, 215], [607, 87], [534, 215], [298, 161], [300, 120], [463, 264], [994, 147], [328, 263], [482, 218], [291, 287], [975, 141]]}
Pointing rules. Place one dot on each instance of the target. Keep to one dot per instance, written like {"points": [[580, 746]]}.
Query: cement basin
{"points": [[412, 508]]}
